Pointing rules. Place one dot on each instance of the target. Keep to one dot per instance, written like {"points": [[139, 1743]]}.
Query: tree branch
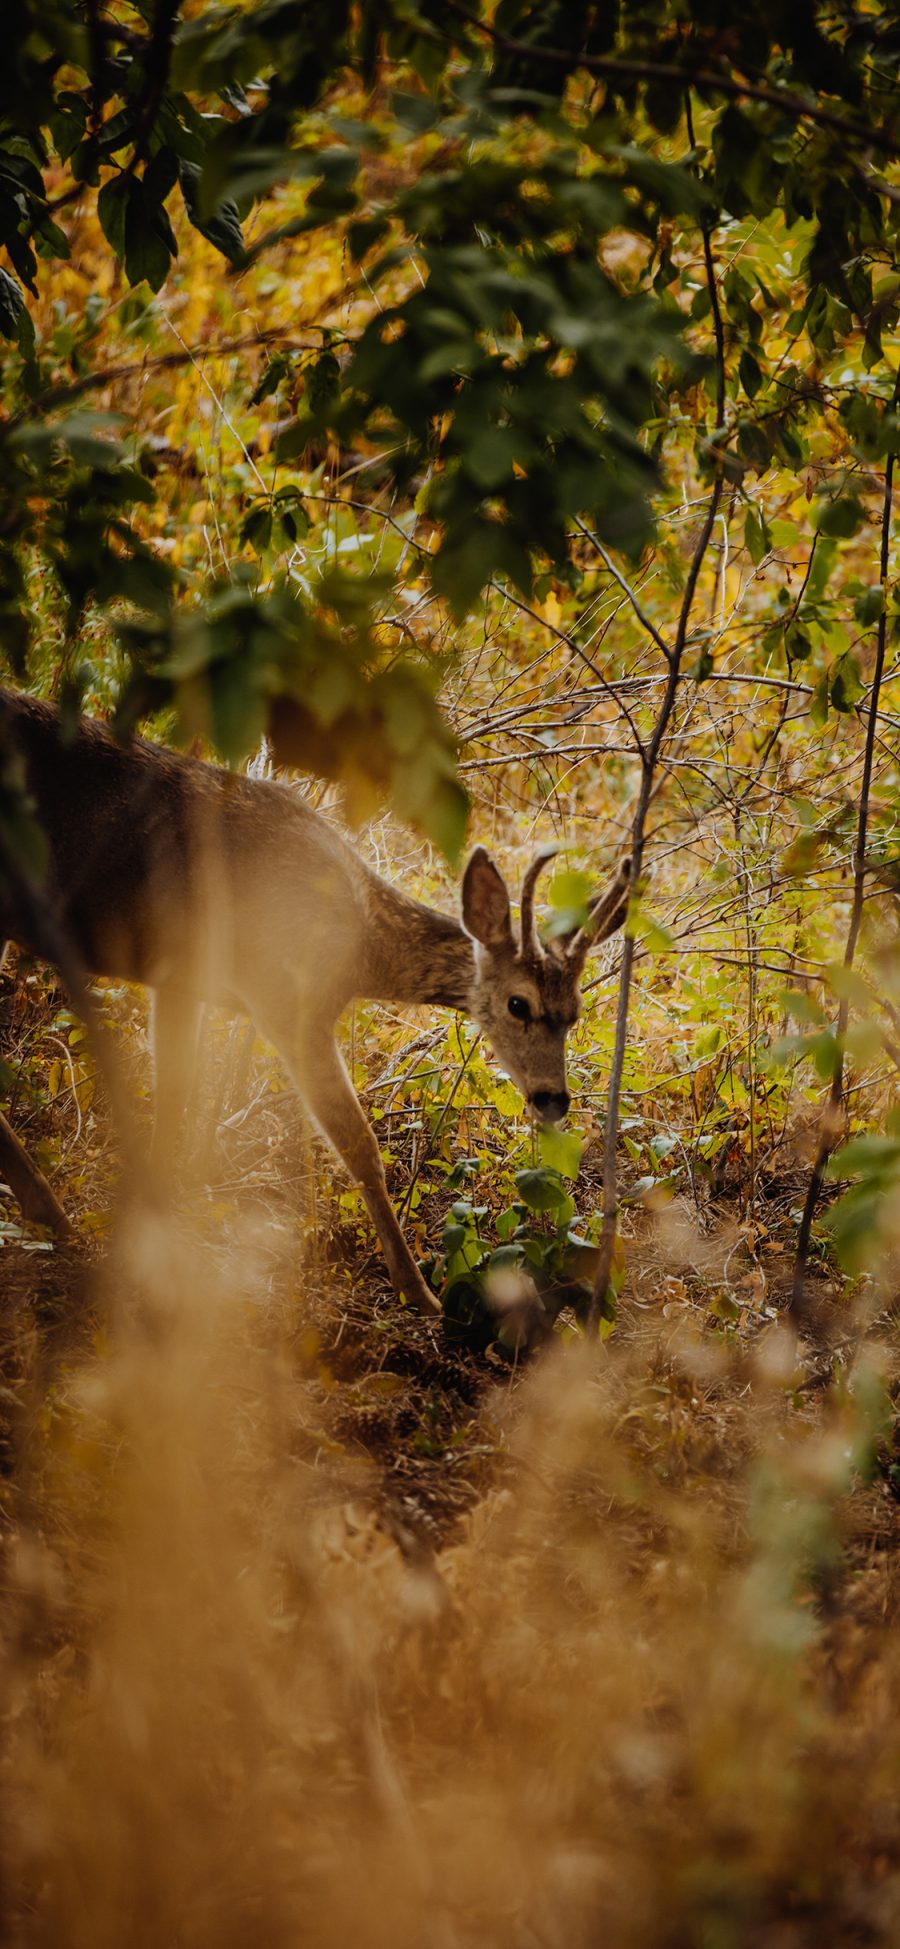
{"points": [[831, 1121], [627, 589], [649, 759], [610, 689], [163, 362], [682, 75]]}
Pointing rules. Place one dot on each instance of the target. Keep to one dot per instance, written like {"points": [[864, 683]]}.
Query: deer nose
{"points": [[551, 1105]]}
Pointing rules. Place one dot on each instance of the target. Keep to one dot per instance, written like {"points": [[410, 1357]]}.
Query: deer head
{"points": [[525, 995]]}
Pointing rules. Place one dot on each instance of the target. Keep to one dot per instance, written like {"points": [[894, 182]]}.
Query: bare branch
{"points": [[831, 1121], [644, 621], [576, 649], [648, 767]]}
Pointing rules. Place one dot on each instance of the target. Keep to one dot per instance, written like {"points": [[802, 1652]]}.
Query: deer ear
{"points": [[485, 902]]}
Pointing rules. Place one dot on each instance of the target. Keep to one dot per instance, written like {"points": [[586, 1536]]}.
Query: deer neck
{"points": [[413, 953]]}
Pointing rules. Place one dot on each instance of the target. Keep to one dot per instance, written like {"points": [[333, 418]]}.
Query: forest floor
{"points": [[417, 1419], [413, 1422], [258, 1318]]}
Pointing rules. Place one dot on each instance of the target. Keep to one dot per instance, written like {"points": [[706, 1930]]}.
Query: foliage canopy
{"points": [[515, 375]]}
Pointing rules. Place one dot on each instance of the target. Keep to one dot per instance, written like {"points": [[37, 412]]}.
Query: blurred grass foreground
{"points": [[645, 1693]]}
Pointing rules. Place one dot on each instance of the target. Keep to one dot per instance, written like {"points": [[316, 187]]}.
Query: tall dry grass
{"points": [[625, 1708]]}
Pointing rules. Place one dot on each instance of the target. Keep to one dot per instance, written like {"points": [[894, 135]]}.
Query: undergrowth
{"points": [[645, 1694]]}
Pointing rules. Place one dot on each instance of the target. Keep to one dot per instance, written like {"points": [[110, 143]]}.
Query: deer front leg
{"points": [[337, 1110], [318, 1070]]}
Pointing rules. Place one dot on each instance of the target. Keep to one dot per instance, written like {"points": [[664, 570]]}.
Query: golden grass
{"points": [[631, 1704]]}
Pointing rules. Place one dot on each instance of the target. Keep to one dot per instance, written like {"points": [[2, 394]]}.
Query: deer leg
{"points": [[174, 1026], [34, 1196], [319, 1073], [339, 1114]]}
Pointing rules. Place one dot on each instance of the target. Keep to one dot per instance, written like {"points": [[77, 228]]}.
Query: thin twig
{"points": [[649, 758], [110, 375], [644, 621], [831, 1121], [563, 637]]}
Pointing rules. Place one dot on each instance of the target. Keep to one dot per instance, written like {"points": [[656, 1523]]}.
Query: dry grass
{"points": [[646, 1694]]}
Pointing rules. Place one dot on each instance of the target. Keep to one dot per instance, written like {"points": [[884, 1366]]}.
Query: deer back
{"points": [[161, 866]]}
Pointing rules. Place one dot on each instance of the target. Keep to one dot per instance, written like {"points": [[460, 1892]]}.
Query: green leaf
{"points": [[818, 707], [848, 984], [323, 379], [821, 567], [867, 1156], [869, 605], [846, 685], [824, 1051], [801, 1006], [750, 374], [222, 226], [863, 1042], [295, 439], [82, 434], [838, 516], [278, 368], [649, 932], [796, 643], [444, 817], [756, 535], [506, 1223], [569, 895], [561, 1150], [149, 239], [112, 203], [471, 557], [490, 456], [543, 1190]]}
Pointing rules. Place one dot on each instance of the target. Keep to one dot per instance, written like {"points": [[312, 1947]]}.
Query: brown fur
{"points": [[210, 886]]}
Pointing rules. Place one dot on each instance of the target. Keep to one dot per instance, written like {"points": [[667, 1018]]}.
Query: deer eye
{"points": [[518, 1007]]}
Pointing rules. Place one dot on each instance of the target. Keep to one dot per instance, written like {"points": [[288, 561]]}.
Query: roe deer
{"points": [[210, 886]]}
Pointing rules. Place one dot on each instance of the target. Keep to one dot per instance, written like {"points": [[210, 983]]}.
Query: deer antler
{"points": [[605, 914], [530, 941]]}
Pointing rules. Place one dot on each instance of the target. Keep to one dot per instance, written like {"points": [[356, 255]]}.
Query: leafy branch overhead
{"points": [[241, 668], [519, 194]]}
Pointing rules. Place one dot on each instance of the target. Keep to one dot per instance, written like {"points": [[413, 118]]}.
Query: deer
{"points": [[208, 886]]}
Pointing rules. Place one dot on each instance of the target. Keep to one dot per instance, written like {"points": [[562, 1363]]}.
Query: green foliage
{"points": [[569, 895], [245, 665], [512, 1293], [864, 1219], [535, 367], [511, 375], [70, 495]]}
